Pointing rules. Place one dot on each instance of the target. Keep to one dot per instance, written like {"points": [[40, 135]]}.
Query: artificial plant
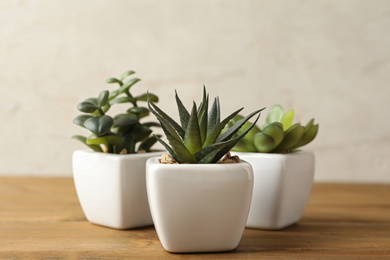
{"points": [[121, 133], [198, 138], [277, 135]]}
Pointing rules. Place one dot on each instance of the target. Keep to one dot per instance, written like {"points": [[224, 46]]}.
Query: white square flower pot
{"points": [[111, 188], [282, 186], [199, 207]]}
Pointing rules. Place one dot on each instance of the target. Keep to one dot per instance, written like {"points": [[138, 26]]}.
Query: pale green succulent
{"points": [[277, 135], [198, 138]]}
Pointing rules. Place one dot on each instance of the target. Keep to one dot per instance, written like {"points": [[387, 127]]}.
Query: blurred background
{"points": [[328, 60]]}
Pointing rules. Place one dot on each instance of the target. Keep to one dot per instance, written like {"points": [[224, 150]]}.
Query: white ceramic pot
{"points": [[199, 207], [282, 186], [111, 188]]}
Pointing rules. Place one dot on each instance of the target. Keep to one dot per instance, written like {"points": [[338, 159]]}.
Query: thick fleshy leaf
{"points": [[140, 133], [122, 100], [231, 131], [275, 114], [263, 143], [80, 120], [214, 116], [128, 84], [148, 143], [139, 111], [183, 113], [88, 106], [114, 80], [144, 97], [125, 120], [212, 137], [126, 74], [308, 136], [103, 98], [174, 128], [249, 137], [291, 137], [99, 125], [243, 146], [192, 137], [275, 131], [287, 119], [105, 140], [83, 140], [151, 124]]}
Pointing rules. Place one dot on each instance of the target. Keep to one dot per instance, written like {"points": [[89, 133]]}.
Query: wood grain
{"points": [[40, 218]]}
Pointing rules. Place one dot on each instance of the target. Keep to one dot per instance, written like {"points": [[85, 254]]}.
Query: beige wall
{"points": [[326, 59]]}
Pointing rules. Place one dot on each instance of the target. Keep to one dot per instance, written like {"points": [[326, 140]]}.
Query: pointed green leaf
{"points": [[214, 116], [249, 137], [231, 131], [170, 124], [212, 137], [126, 74], [180, 152], [99, 125], [203, 120], [222, 148], [192, 137], [183, 113]]}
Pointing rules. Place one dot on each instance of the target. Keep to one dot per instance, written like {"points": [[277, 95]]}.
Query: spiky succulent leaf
{"points": [[192, 137], [212, 137], [183, 113], [202, 117], [174, 128], [208, 154], [231, 131], [214, 116]]}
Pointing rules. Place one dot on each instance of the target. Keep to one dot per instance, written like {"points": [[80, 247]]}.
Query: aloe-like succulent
{"points": [[198, 138], [121, 133], [277, 135]]}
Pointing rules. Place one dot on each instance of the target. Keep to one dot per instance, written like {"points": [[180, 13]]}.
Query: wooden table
{"points": [[40, 218]]}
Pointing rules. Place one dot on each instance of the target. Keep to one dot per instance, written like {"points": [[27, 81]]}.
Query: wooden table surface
{"points": [[40, 218]]}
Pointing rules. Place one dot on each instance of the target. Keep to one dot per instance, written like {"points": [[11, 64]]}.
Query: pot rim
{"points": [[113, 155], [155, 161], [272, 155]]}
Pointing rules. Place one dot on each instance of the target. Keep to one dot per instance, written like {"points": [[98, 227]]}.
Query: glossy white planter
{"points": [[282, 186], [199, 208], [111, 188]]}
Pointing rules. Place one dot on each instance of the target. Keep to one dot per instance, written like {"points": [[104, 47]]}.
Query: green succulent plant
{"points": [[121, 133], [277, 135], [198, 138]]}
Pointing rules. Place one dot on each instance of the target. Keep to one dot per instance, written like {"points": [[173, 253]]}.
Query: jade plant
{"points": [[198, 139], [122, 133], [277, 135]]}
